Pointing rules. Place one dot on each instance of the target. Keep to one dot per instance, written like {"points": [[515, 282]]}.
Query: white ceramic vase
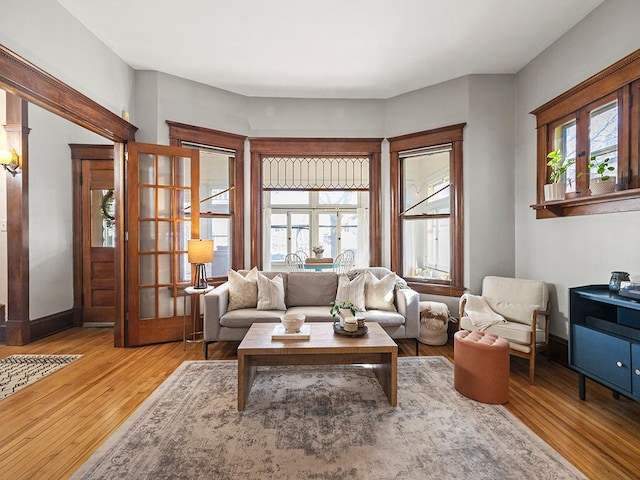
{"points": [[553, 191]]}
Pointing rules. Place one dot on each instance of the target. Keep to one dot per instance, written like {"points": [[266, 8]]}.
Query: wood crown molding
{"points": [[22, 78], [321, 146], [602, 83], [203, 135]]}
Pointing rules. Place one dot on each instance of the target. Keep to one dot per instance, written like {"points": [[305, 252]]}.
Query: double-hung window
{"points": [[426, 233], [221, 192]]}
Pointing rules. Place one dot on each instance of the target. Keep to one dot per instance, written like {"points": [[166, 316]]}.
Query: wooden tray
{"points": [[337, 328]]}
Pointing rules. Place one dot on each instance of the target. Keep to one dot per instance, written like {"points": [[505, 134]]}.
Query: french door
{"points": [[162, 215]]}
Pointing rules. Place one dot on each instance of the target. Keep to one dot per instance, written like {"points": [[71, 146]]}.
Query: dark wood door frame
{"points": [[24, 80], [18, 330], [80, 152]]}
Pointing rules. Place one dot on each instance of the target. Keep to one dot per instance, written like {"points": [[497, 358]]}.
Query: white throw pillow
{"points": [[243, 291], [351, 290], [378, 294], [512, 311], [271, 293]]}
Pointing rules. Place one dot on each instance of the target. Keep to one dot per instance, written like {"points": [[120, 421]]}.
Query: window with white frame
{"points": [[297, 221]]}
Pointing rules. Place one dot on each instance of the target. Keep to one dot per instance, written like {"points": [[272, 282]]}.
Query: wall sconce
{"points": [[199, 253], [10, 160]]}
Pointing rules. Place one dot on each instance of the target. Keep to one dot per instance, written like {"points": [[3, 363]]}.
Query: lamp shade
{"points": [[200, 251]]}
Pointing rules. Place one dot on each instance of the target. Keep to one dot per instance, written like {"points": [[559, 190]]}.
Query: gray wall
{"points": [[575, 251], [56, 42], [50, 210]]}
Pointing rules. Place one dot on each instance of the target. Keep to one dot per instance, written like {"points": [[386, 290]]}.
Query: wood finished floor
{"points": [[50, 428]]}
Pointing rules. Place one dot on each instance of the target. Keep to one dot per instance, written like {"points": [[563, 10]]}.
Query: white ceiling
{"points": [[328, 48]]}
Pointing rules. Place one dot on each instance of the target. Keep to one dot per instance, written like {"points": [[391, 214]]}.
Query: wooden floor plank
{"points": [[50, 428]]}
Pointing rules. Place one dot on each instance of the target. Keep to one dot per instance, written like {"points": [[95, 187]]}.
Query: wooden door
{"points": [[98, 243], [161, 218]]}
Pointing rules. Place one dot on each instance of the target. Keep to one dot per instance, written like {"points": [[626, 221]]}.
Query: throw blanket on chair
{"points": [[480, 313]]}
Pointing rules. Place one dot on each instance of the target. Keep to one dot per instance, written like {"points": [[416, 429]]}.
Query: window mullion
{"points": [[582, 149], [624, 133]]}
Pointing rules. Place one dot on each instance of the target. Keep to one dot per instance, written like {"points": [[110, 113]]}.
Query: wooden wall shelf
{"points": [[624, 201]]}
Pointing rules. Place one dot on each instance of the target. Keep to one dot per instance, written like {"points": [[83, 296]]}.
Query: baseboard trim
{"points": [[50, 324], [559, 350]]}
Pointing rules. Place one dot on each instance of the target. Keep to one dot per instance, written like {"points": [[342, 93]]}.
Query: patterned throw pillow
{"points": [[351, 290], [378, 294], [270, 293], [243, 291]]}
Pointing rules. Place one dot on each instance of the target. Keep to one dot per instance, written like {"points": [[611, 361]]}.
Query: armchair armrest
{"points": [[408, 305], [215, 306]]}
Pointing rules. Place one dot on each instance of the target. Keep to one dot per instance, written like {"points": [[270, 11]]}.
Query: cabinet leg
{"points": [[582, 386], [616, 395]]}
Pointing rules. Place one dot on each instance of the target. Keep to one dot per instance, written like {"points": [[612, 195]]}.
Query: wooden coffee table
{"points": [[323, 348]]}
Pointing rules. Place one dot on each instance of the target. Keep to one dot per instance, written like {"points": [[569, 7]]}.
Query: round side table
{"points": [[193, 336]]}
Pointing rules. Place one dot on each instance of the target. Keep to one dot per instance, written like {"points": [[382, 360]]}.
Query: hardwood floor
{"points": [[50, 428]]}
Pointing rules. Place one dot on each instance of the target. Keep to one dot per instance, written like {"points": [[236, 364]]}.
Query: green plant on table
{"points": [[602, 168], [558, 165], [344, 305]]}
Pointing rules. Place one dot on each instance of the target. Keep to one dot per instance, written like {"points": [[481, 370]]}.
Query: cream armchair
{"points": [[512, 308]]}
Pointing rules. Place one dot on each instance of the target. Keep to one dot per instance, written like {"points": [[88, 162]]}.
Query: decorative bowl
{"points": [[292, 322]]}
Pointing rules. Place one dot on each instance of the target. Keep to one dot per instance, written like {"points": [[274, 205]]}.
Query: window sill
{"points": [[444, 290], [624, 201]]}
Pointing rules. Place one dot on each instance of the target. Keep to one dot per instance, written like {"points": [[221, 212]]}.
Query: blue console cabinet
{"points": [[604, 339]]}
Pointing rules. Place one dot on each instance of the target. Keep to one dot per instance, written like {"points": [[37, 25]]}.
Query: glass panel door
{"points": [[162, 217]]}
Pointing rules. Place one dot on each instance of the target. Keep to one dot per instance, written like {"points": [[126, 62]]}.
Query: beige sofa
{"points": [[310, 293]]}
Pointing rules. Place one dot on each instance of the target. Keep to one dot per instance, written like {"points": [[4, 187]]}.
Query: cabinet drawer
{"points": [[635, 365], [603, 356]]}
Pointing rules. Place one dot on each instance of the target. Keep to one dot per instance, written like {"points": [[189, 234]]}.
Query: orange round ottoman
{"points": [[481, 366]]}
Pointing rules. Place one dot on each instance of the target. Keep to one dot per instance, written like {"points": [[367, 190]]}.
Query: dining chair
{"points": [[293, 262], [344, 262]]}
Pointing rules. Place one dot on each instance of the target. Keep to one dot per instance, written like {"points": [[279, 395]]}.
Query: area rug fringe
{"points": [[19, 371], [321, 423]]}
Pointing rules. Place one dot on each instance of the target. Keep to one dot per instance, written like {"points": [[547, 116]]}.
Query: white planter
{"points": [[553, 191], [344, 313], [600, 187]]}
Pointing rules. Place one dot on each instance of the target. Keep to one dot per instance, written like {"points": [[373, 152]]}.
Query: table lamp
{"points": [[199, 253]]}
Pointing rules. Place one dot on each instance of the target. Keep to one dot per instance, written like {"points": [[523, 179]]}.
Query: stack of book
{"points": [[311, 260]]}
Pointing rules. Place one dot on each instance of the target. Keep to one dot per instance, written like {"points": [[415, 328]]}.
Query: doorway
{"points": [[94, 222]]}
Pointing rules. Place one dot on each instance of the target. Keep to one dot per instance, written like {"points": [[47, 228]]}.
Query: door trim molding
{"points": [[80, 152], [23, 78]]}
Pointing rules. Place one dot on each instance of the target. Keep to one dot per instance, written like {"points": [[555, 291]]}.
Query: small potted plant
{"points": [[318, 250], [556, 189], [343, 309], [603, 183]]}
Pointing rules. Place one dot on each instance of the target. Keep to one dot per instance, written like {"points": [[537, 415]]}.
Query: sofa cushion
{"points": [[243, 290], [351, 290], [313, 314], [245, 317], [379, 294], [383, 317], [518, 334], [270, 293], [311, 288]]}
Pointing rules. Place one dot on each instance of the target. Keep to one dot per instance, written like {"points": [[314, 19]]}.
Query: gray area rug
{"points": [[321, 423], [19, 371]]}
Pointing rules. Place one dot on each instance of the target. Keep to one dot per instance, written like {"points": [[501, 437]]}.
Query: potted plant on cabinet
{"points": [[556, 189], [603, 183]]}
